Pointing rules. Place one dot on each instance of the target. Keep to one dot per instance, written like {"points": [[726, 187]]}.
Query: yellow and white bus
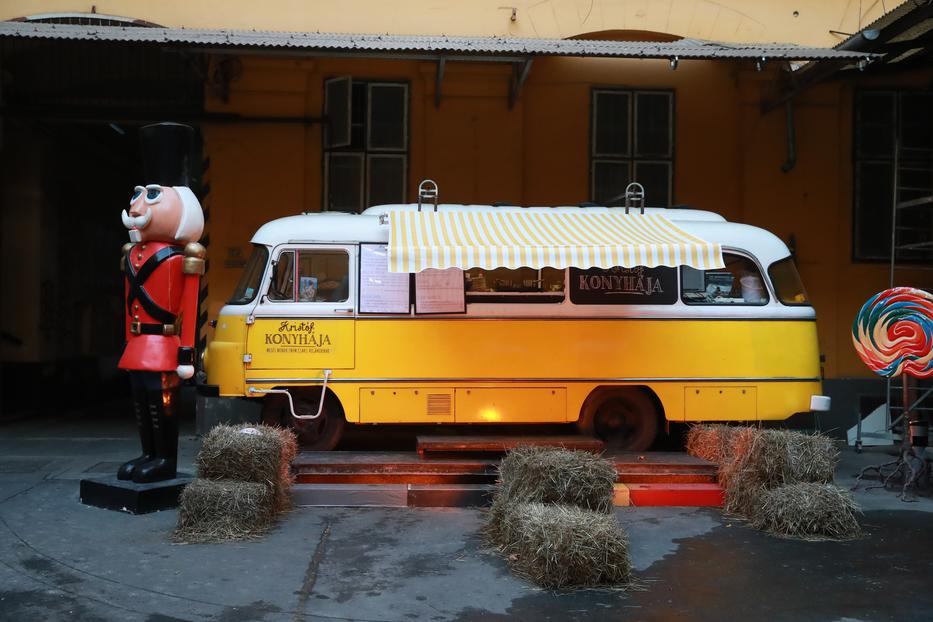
{"points": [[619, 322]]}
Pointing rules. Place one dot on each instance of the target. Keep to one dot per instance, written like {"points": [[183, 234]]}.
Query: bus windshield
{"points": [[248, 285], [787, 283]]}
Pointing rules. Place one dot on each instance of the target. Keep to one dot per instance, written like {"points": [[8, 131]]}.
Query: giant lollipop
{"points": [[893, 333]]}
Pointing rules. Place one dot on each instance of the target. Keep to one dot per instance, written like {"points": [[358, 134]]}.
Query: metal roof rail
{"points": [[634, 194], [427, 192]]}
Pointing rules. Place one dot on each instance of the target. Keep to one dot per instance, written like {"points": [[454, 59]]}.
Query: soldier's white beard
{"points": [[137, 222]]}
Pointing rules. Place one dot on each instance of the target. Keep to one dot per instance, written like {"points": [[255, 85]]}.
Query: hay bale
{"points": [[218, 511], [548, 475], [711, 442], [257, 453], [560, 546], [810, 511], [777, 457], [765, 459]]}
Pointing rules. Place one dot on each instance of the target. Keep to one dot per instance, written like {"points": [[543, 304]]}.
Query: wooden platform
{"points": [[502, 444], [400, 479]]}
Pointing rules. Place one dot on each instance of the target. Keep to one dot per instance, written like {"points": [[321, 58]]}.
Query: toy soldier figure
{"points": [[162, 265]]}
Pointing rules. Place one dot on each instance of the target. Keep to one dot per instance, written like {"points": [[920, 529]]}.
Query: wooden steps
{"points": [[502, 444], [406, 479]]}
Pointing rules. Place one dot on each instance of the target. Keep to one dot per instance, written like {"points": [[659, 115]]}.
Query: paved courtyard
{"points": [[60, 560]]}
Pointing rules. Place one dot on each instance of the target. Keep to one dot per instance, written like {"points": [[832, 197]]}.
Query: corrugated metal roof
{"points": [[380, 44]]}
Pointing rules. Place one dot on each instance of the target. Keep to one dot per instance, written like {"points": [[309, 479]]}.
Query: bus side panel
{"points": [[511, 405]]}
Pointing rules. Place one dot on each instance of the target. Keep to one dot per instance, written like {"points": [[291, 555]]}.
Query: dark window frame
{"points": [[859, 158], [631, 159], [365, 151]]}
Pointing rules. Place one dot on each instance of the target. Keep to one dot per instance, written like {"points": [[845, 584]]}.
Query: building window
{"points": [[885, 122], [365, 144], [632, 140]]}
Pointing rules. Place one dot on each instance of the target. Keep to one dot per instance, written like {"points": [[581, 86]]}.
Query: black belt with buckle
{"points": [[138, 328]]}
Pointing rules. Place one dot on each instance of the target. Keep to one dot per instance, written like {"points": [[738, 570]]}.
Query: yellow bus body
{"points": [[526, 370]]}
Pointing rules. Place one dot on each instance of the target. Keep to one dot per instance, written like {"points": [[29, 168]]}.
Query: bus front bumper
{"points": [[820, 403]]}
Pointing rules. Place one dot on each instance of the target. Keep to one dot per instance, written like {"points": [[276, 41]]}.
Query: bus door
{"points": [[305, 318]]}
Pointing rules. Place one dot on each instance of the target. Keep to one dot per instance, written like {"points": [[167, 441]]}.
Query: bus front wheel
{"points": [[321, 434], [624, 419]]}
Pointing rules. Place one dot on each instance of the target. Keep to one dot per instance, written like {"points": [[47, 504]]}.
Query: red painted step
{"points": [[673, 494]]}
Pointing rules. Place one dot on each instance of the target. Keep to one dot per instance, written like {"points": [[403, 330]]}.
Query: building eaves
{"points": [[315, 42]]}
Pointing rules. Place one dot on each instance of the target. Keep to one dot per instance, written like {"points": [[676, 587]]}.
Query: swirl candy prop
{"points": [[893, 333]]}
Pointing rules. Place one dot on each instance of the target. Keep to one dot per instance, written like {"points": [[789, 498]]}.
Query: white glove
{"points": [[185, 371]]}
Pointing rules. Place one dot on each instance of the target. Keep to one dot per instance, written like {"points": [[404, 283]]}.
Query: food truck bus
{"points": [[619, 320]]}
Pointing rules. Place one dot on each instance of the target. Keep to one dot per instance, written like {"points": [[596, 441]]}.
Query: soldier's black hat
{"points": [[167, 151]]}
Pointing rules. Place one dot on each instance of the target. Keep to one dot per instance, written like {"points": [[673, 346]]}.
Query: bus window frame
{"points": [[765, 279], [352, 277]]}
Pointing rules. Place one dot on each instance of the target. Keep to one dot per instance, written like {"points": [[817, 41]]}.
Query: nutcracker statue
{"points": [[162, 265]]}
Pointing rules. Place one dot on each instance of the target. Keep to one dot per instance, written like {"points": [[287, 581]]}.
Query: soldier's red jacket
{"points": [[161, 303]]}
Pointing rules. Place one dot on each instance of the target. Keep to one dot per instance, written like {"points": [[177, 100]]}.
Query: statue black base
{"points": [[111, 493]]}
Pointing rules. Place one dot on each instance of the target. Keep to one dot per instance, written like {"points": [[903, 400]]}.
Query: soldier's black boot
{"points": [[143, 425], [162, 407]]}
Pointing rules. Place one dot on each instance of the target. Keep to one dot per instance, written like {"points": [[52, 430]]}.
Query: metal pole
{"points": [[905, 394], [895, 179]]}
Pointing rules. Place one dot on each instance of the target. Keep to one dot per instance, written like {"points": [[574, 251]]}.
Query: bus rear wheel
{"points": [[321, 434], [624, 419]]}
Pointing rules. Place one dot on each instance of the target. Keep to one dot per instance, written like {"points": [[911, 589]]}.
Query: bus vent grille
{"points": [[439, 404]]}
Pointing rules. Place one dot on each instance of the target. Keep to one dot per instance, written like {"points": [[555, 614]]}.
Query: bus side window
{"points": [[282, 287], [323, 276], [739, 283]]}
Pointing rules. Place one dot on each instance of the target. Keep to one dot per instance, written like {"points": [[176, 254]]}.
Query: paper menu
{"points": [[381, 291], [440, 291]]}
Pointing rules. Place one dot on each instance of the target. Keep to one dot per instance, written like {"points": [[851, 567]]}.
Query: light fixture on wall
{"points": [[674, 62], [760, 63]]}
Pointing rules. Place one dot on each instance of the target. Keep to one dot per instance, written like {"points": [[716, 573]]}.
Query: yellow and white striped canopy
{"points": [[538, 238]]}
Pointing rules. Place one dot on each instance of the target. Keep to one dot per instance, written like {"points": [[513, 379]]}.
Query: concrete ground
{"points": [[61, 560]]}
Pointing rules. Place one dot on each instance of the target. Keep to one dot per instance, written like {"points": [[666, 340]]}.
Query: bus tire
{"points": [[321, 434], [625, 419]]}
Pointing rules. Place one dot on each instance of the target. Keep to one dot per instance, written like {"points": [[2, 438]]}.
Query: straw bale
{"points": [[810, 511], [257, 453], [548, 475], [711, 442], [765, 459], [776, 457], [218, 511], [560, 546]]}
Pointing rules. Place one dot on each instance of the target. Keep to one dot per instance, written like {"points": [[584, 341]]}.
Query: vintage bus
{"points": [[669, 315]]}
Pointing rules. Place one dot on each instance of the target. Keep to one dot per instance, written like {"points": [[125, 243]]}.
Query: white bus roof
{"points": [[339, 227]]}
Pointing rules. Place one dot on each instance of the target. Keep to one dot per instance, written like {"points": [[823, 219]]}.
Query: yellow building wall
{"points": [[807, 23], [728, 154], [727, 159]]}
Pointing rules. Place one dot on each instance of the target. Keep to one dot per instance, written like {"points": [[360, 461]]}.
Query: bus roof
{"points": [[339, 227]]}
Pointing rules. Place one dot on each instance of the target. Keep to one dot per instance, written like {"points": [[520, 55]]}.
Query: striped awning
{"points": [[538, 238]]}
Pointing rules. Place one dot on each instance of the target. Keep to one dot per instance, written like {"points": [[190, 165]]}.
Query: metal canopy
{"points": [[900, 39], [432, 46]]}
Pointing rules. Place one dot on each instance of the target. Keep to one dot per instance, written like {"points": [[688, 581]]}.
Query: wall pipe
{"points": [[791, 160]]}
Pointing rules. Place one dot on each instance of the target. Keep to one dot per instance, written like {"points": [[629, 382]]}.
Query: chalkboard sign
{"points": [[623, 286]]}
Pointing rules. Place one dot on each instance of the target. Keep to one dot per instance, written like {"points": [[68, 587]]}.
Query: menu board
{"points": [[381, 291], [440, 291]]}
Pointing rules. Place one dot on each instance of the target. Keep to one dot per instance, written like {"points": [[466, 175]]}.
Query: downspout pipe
{"points": [[791, 160]]}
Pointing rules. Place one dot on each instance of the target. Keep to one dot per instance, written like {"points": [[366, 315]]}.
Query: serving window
{"points": [[739, 283], [522, 285], [311, 276]]}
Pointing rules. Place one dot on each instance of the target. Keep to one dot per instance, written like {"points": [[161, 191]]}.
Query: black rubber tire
{"points": [[625, 419], [321, 434]]}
